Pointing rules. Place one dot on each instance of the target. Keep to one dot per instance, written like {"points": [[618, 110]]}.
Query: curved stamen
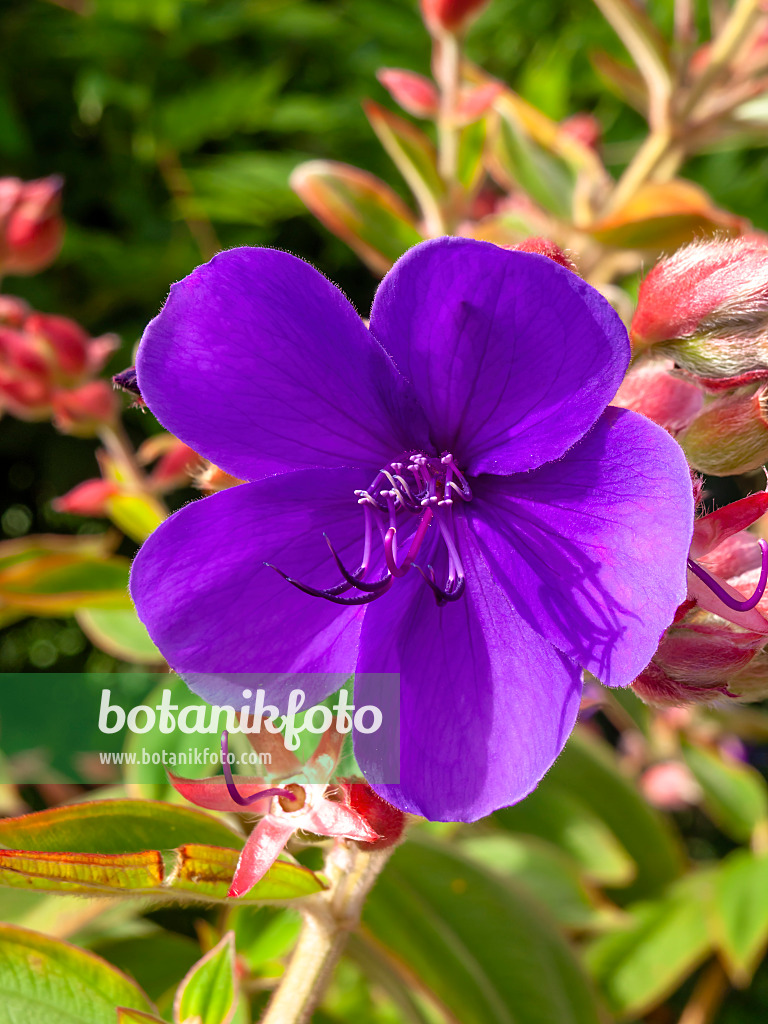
{"points": [[443, 596], [331, 593], [725, 597], [355, 579], [234, 792]]}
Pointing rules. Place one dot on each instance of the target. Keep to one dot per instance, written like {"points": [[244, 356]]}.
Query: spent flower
{"points": [[444, 495]]}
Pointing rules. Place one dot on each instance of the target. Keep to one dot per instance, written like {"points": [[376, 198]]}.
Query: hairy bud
{"points": [[731, 435], [31, 227], [545, 247], [82, 411], [387, 821], [651, 389], [706, 307]]}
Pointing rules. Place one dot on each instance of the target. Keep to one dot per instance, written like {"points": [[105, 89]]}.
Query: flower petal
{"points": [[511, 356], [486, 703], [262, 365], [332, 818], [212, 606], [592, 550], [260, 852]]}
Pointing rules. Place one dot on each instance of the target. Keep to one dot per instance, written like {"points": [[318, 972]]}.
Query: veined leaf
{"points": [[46, 981], [86, 873], [486, 952], [115, 826]]}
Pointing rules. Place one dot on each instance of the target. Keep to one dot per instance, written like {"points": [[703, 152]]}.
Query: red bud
{"points": [[31, 228], [87, 499], [413, 92], [545, 247], [84, 410], [450, 15], [387, 821]]}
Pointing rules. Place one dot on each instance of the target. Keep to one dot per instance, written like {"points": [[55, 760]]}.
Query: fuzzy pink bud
{"points": [[706, 307], [413, 92], [731, 435], [545, 247], [584, 128], [31, 227]]}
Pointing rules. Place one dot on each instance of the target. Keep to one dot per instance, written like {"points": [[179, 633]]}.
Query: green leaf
{"points": [[246, 188], [45, 981], [545, 872], [264, 935], [735, 794], [740, 913], [119, 632], [206, 872], [587, 768], [485, 951], [414, 155], [664, 940], [125, 1016], [471, 153], [519, 161], [208, 993], [359, 208], [115, 826], [137, 515], [565, 820]]}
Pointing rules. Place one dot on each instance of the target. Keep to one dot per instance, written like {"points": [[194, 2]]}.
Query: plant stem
{"points": [[328, 919], [708, 994], [120, 450], [447, 64]]}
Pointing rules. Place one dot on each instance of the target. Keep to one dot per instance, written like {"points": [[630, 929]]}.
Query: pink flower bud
{"points": [[82, 411], [31, 227], [411, 91], [545, 247], [87, 499], [670, 786], [450, 15], [584, 128], [706, 306], [176, 462], [731, 435], [477, 100], [651, 389], [13, 311]]}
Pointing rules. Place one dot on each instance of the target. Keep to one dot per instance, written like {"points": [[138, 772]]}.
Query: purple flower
{"points": [[491, 526]]}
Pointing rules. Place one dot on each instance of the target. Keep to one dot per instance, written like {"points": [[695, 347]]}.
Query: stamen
{"points": [[725, 597], [234, 792], [331, 594]]}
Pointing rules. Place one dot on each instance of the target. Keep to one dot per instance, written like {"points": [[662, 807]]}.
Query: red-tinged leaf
{"points": [[415, 93], [59, 583], [86, 873], [360, 208], [664, 216], [208, 994], [207, 871]]}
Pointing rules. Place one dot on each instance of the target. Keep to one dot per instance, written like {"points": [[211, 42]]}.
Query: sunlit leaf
{"points": [[115, 826], [735, 794], [358, 207], [662, 942], [208, 992], [740, 912], [46, 981], [207, 872], [484, 950], [664, 216], [119, 632]]}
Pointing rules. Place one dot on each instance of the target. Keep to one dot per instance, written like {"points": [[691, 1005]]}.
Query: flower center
{"points": [[405, 498]]}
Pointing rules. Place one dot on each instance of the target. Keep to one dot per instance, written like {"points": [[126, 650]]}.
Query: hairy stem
{"points": [[328, 919], [708, 994], [742, 20], [447, 64]]}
